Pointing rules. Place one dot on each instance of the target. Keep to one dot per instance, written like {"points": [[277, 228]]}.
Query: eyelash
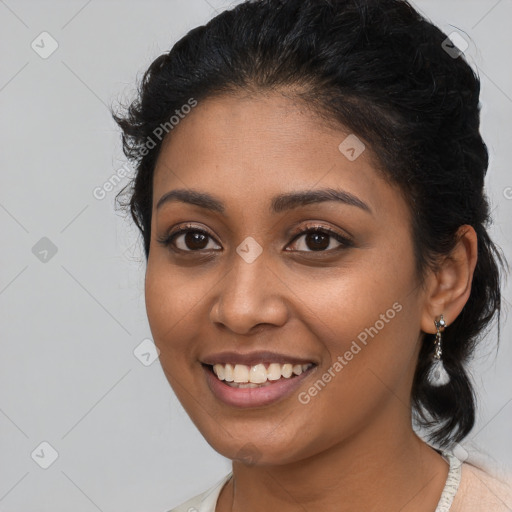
{"points": [[345, 242]]}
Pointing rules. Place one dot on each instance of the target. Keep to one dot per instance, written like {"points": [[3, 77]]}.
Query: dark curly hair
{"points": [[381, 69]]}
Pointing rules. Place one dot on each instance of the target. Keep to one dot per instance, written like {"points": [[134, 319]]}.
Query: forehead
{"points": [[248, 149]]}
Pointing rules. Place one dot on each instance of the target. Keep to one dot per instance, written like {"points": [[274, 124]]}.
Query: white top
{"points": [[468, 488]]}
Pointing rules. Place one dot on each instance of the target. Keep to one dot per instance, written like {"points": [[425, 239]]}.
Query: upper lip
{"points": [[253, 358]]}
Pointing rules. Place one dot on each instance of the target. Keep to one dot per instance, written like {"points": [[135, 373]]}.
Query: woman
{"points": [[310, 192]]}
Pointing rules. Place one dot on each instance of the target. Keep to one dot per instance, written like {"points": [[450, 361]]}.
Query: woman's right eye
{"points": [[187, 239]]}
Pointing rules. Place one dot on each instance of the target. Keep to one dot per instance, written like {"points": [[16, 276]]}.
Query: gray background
{"points": [[71, 321]]}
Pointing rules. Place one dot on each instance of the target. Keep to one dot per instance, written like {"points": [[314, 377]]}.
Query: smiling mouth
{"points": [[256, 376]]}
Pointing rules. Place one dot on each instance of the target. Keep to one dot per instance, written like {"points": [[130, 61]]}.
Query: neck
{"points": [[386, 468]]}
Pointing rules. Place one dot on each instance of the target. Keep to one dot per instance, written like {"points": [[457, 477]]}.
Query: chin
{"points": [[253, 448]]}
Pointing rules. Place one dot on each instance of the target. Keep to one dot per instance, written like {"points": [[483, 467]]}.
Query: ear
{"points": [[449, 287]]}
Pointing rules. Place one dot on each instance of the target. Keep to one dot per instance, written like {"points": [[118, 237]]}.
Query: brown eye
{"points": [[187, 239], [194, 240], [318, 239]]}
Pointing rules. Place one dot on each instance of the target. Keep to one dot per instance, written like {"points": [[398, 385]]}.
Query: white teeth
{"points": [[220, 372], [228, 372], [241, 373], [287, 370], [257, 374], [274, 371]]}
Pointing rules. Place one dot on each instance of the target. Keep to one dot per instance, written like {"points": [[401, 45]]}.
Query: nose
{"points": [[249, 296]]}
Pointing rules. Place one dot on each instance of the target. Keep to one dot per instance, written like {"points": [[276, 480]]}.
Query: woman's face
{"points": [[254, 284]]}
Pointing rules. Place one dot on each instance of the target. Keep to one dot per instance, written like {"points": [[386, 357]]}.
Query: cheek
{"points": [[171, 302], [365, 298], [367, 319], [370, 369]]}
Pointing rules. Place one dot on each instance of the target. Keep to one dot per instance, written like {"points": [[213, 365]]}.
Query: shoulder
{"points": [[204, 502], [483, 489]]}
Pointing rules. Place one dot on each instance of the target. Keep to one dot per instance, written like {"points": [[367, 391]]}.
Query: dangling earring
{"points": [[437, 374]]}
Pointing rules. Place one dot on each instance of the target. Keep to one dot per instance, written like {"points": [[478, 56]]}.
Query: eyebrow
{"points": [[279, 203]]}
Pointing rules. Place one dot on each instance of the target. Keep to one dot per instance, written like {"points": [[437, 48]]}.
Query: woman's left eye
{"points": [[319, 239], [316, 239]]}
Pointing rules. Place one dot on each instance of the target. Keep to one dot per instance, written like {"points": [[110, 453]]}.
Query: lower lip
{"points": [[254, 397]]}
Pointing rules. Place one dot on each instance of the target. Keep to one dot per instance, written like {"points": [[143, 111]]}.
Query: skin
{"points": [[352, 446]]}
